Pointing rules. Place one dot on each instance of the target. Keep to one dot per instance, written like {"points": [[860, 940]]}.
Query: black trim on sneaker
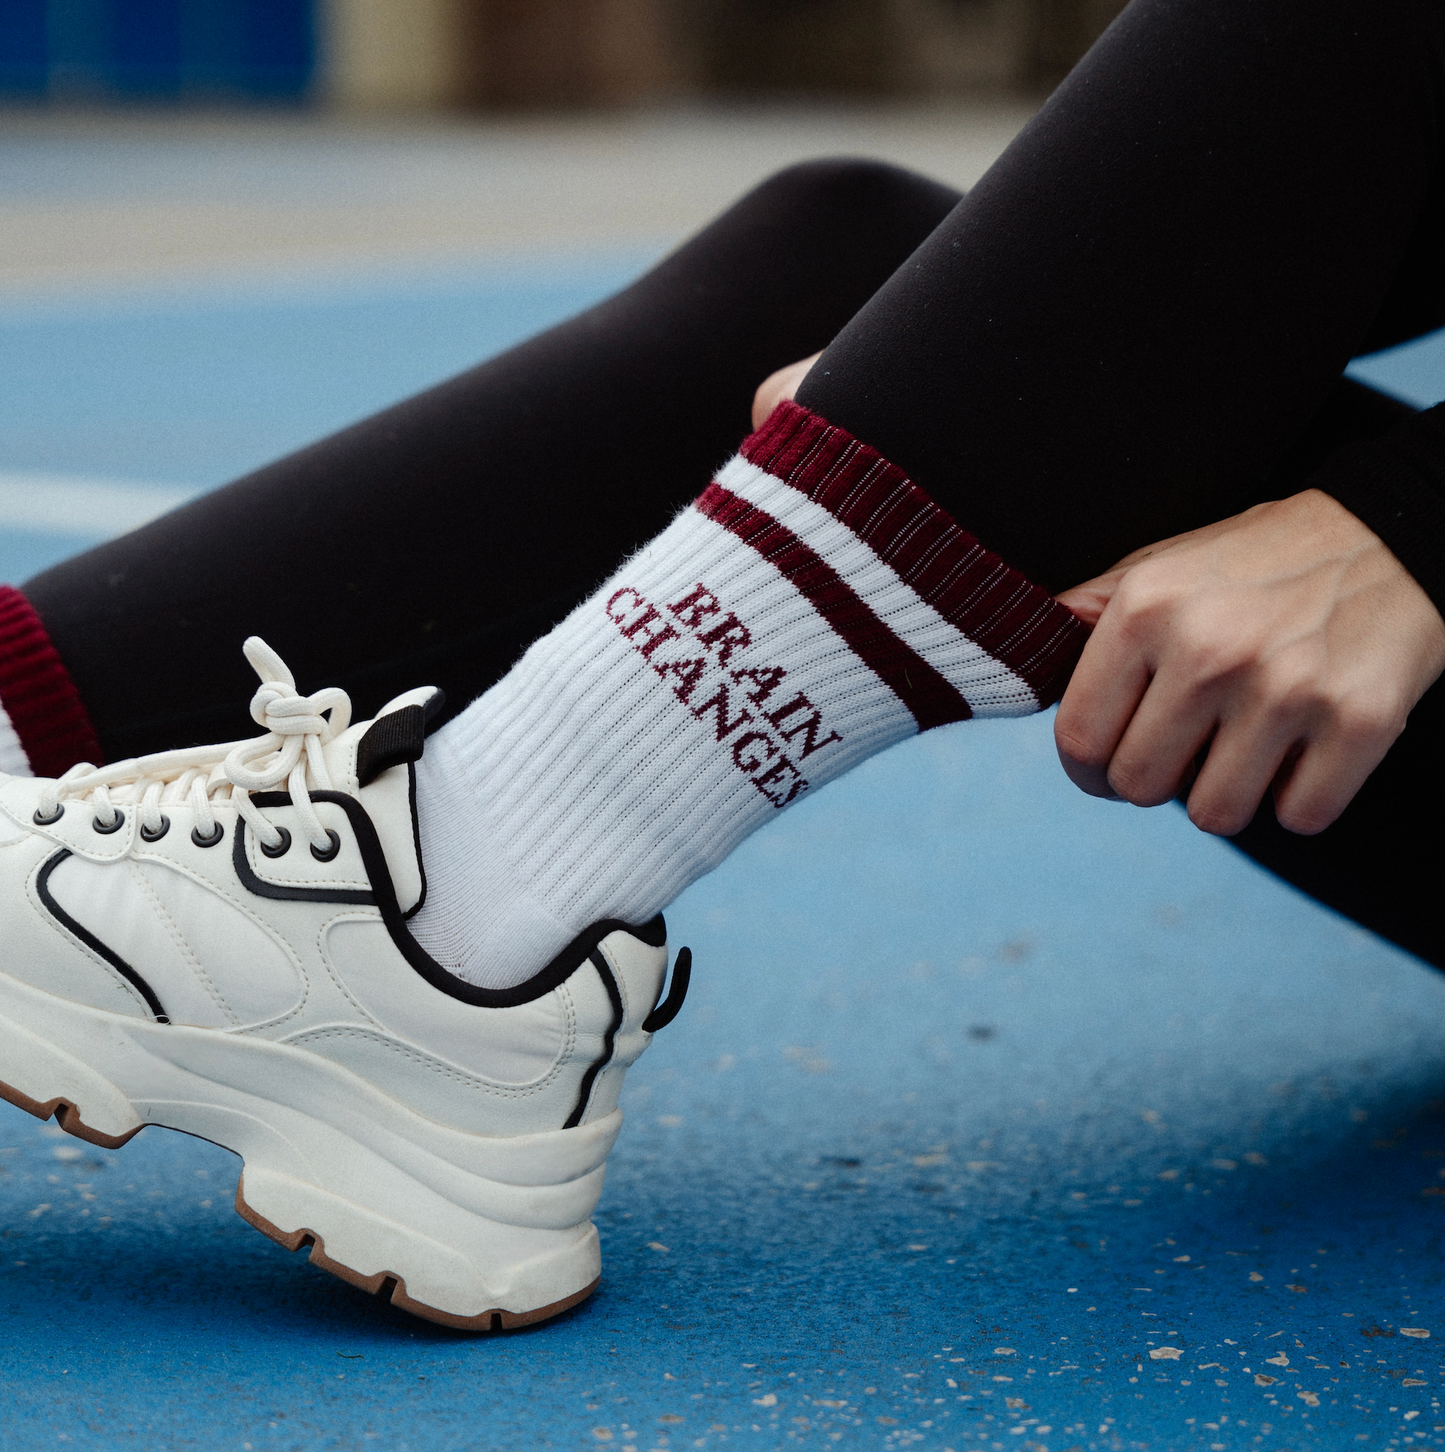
{"points": [[667, 1009], [416, 907], [262, 888], [383, 896], [42, 889], [556, 973], [584, 1092]]}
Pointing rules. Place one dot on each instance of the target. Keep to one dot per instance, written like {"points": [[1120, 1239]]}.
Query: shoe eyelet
{"points": [[281, 848], [210, 841], [329, 855], [52, 819], [96, 825], [146, 835]]}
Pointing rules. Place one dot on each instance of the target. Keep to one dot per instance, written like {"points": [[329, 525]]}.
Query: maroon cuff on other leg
{"points": [[37, 693]]}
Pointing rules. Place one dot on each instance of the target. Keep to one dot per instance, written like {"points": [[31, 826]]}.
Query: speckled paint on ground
{"points": [[988, 1100]]}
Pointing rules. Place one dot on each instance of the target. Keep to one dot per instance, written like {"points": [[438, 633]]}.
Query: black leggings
{"points": [[1136, 323]]}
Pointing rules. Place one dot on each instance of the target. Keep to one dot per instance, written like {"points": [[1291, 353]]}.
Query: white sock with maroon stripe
{"points": [[812, 607]]}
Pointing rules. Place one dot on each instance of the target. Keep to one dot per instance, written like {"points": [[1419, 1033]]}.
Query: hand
{"points": [[1287, 642], [778, 386]]}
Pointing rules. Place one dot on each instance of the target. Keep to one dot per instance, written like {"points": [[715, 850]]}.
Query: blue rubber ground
{"points": [[998, 1117]]}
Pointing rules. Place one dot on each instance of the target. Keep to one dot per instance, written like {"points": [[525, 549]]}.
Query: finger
{"points": [[1328, 774], [778, 386], [1170, 727], [1246, 756], [1110, 679], [1087, 600], [1093, 780]]}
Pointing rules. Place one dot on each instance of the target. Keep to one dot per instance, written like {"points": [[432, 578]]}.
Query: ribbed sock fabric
{"points": [[812, 607]]}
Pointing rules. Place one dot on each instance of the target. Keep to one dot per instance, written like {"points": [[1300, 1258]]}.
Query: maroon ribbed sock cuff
{"points": [[37, 693], [1015, 621]]}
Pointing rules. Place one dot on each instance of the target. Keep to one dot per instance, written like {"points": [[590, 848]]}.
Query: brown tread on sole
{"points": [[394, 1286], [67, 1116]]}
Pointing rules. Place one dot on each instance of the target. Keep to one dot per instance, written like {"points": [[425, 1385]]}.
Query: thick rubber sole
{"points": [[469, 1231]]}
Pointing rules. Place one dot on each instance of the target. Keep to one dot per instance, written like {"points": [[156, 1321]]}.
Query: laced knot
{"points": [[296, 729]]}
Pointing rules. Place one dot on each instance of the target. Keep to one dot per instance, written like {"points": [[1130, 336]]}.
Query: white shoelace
{"points": [[296, 726]]}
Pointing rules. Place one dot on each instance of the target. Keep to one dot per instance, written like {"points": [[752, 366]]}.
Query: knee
{"points": [[854, 187]]}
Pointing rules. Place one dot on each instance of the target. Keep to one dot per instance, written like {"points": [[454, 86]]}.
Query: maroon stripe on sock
{"points": [[37, 693], [931, 699], [1014, 620]]}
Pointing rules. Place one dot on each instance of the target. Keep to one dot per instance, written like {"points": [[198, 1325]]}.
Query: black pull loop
{"points": [[668, 1009]]}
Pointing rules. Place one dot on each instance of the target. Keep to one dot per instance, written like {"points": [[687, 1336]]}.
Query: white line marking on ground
{"points": [[82, 506]]}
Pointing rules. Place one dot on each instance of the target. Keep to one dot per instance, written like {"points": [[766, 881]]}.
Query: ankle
{"points": [[480, 917]]}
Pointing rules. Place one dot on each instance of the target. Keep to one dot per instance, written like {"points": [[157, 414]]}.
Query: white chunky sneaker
{"points": [[215, 940]]}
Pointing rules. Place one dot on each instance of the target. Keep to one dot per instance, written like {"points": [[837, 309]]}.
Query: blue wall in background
{"points": [[80, 50]]}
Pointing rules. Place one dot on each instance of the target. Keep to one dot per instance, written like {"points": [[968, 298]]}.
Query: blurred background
{"points": [[974, 1067], [507, 54], [228, 227]]}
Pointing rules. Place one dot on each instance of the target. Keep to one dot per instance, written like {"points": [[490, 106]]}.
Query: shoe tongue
{"points": [[371, 761]]}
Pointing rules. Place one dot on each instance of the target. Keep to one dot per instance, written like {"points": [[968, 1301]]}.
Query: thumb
{"points": [[1088, 600], [778, 386]]}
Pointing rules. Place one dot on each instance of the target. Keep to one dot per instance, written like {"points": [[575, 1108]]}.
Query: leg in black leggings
{"points": [[435, 541], [1119, 335], [1122, 329], [1137, 322]]}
